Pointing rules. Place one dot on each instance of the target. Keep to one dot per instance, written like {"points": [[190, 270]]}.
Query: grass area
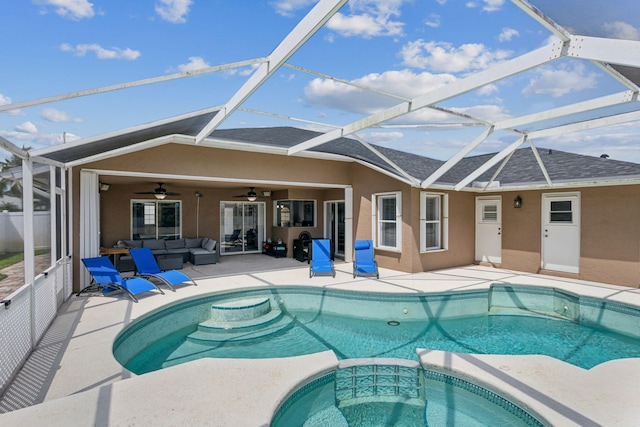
{"points": [[10, 258]]}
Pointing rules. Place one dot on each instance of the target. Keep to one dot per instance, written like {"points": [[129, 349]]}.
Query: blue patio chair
{"points": [[364, 262], [148, 268], [105, 278], [321, 258]]}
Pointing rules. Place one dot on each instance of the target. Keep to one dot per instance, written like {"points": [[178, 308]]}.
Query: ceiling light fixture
{"points": [[251, 195]]}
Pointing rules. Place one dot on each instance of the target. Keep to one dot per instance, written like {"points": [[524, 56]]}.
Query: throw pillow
{"points": [[210, 245]]}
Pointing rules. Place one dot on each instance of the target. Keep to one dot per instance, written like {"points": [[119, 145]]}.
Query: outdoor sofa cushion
{"points": [[193, 243]]}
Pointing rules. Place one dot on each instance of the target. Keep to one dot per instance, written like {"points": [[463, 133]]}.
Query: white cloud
{"points": [[382, 137], [492, 5], [369, 18], [71, 9], [27, 127], [37, 140], [433, 21], [443, 56], [488, 5], [404, 83], [621, 30], [289, 7], [174, 11], [559, 81], [487, 90], [195, 63], [5, 100], [507, 34], [101, 53], [53, 115]]}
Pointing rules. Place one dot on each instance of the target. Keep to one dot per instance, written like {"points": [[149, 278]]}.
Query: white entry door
{"points": [[489, 229], [561, 232]]}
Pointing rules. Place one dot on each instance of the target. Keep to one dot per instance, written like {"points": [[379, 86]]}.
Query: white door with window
{"points": [[489, 229], [561, 232]]}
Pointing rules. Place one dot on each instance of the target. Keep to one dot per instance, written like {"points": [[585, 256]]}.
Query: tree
{"points": [[11, 187]]}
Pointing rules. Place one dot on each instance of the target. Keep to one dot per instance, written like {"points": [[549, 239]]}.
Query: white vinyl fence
{"points": [[12, 231]]}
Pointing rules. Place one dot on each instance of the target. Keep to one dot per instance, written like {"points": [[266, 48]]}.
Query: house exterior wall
{"points": [[610, 229], [461, 224], [609, 234]]}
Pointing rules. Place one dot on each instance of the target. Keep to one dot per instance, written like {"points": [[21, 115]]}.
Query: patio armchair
{"points": [[105, 278], [148, 268]]}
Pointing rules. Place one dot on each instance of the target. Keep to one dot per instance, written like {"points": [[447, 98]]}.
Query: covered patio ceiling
{"points": [[571, 32]]}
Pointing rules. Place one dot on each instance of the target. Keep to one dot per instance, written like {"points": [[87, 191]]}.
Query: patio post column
{"points": [[29, 244]]}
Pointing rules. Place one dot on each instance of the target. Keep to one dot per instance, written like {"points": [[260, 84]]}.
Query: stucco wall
{"points": [[609, 234], [610, 228], [461, 224]]}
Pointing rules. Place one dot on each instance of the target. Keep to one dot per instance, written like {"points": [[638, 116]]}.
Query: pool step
{"points": [[240, 320]]}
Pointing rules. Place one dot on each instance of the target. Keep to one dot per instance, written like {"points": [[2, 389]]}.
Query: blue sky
{"points": [[404, 47]]}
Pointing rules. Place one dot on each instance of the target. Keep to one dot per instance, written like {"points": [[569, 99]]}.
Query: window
{"points": [[561, 211], [156, 219], [387, 220], [434, 219], [295, 213]]}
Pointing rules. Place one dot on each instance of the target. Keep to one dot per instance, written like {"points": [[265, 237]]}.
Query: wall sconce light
{"points": [[517, 202], [103, 187]]}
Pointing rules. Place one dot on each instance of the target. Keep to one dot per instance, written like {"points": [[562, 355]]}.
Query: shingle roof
{"points": [[521, 169]]}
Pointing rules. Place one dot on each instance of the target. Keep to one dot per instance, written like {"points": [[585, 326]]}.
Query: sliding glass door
{"points": [[242, 227]]}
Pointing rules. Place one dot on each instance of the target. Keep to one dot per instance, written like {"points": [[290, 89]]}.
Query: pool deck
{"points": [[72, 378]]}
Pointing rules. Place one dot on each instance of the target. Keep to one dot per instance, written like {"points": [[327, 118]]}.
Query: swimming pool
{"points": [[289, 321]]}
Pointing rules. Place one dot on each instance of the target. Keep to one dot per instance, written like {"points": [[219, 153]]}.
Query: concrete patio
{"points": [[72, 379]]}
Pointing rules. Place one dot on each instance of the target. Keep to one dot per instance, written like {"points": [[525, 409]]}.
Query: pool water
{"points": [[350, 337]]}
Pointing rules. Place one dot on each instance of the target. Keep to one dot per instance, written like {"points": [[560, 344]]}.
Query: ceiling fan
{"points": [[160, 192], [251, 195]]}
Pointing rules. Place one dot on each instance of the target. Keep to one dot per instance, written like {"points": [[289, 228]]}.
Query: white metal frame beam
{"points": [[489, 164], [551, 52], [610, 51], [587, 124], [306, 28], [456, 158], [119, 86]]}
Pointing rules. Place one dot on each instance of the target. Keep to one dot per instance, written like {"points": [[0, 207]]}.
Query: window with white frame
{"points": [[387, 220], [434, 219]]}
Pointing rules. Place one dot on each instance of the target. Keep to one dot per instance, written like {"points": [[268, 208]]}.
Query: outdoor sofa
{"points": [[171, 254]]}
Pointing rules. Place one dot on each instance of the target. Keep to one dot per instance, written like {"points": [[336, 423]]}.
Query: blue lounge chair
{"points": [[364, 262], [105, 278], [148, 268], [321, 258]]}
